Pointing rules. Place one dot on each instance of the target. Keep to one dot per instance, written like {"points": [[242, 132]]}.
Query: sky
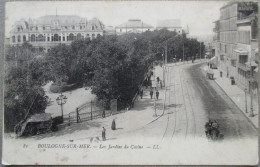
{"points": [[198, 15]]}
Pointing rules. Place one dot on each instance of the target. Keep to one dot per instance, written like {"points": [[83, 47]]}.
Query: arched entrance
{"points": [[78, 36], [56, 37], [32, 38]]}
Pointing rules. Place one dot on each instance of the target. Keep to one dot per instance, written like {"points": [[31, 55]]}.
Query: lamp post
{"points": [[251, 92], [246, 100], [61, 100]]}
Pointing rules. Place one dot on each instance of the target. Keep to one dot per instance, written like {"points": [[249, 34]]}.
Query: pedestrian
{"points": [[158, 79], [141, 93], [104, 113], [157, 94], [113, 126], [161, 84], [104, 134], [151, 94]]}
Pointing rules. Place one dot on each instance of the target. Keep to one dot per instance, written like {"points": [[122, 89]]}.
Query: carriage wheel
{"points": [[33, 131]]}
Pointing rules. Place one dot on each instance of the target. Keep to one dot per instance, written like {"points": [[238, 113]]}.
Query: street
{"points": [[191, 100]]}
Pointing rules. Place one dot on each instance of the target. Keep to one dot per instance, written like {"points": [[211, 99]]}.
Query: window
{"points": [[120, 30], [24, 38], [18, 29], [56, 37], [43, 28], [48, 38], [73, 27], [222, 57], [63, 38], [13, 39], [80, 27], [41, 38], [19, 38], [71, 37], [78, 36], [33, 38], [234, 63], [66, 27], [93, 27], [36, 28], [93, 35]]}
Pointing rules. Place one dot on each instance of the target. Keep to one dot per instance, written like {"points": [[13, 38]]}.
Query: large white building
{"points": [[50, 30], [133, 26], [171, 25]]}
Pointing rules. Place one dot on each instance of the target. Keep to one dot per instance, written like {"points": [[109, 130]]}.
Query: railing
{"points": [[246, 17]]}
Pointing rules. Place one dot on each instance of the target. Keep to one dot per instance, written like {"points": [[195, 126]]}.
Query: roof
{"points": [[134, 23], [174, 23], [62, 19]]}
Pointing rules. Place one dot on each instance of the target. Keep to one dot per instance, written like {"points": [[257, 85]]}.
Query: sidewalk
{"points": [[237, 95]]}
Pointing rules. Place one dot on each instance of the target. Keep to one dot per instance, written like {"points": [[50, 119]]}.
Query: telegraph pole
{"points": [[200, 51], [251, 90], [183, 51]]}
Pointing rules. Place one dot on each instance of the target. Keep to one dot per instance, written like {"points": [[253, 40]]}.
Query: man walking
{"points": [[141, 93], [104, 134], [113, 126], [151, 93], [157, 94]]}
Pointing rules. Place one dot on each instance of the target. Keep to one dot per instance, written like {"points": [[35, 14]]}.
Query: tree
{"points": [[23, 95]]}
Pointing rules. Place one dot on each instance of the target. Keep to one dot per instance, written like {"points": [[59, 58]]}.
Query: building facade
{"points": [[133, 26], [235, 41], [48, 31], [171, 25]]}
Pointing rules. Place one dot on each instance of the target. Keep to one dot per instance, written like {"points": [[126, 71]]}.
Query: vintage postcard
{"points": [[131, 83]]}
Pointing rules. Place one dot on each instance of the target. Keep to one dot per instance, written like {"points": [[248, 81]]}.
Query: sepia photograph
{"points": [[131, 83]]}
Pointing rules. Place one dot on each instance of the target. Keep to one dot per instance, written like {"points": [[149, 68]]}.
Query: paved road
{"points": [[191, 100]]}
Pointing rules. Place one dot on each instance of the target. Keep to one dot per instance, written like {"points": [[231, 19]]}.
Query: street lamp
{"points": [[245, 99], [61, 100]]}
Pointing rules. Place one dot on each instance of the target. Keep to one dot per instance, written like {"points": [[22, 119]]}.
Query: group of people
{"points": [[211, 125], [113, 127], [141, 92]]}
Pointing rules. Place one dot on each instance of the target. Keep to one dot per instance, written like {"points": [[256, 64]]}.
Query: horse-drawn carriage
{"points": [[210, 74]]}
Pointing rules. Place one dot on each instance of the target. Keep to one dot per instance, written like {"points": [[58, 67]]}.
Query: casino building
{"points": [[50, 30]]}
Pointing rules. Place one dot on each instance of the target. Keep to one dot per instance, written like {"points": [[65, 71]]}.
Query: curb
{"points": [[249, 120], [165, 89], [237, 106]]}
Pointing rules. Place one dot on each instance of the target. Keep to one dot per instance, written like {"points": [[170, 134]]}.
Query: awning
{"points": [[213, 60], [241, 51]]}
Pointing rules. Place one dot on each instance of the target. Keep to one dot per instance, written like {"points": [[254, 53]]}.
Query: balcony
{"points": [[243, 66], [246, 19]]}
